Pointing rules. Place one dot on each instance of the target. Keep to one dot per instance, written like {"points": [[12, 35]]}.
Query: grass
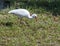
{"points": [[44, 32]]}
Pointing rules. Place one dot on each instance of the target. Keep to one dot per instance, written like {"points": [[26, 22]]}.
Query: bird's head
{"points": [[34, 16]]}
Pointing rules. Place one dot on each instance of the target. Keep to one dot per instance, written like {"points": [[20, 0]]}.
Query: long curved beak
{"points": [[36, 18]]}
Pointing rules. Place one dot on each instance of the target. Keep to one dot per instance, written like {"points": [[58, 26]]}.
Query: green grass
{"points": [[44, 32]]}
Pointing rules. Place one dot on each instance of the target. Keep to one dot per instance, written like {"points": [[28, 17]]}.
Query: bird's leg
{"points": [[20, 20]]}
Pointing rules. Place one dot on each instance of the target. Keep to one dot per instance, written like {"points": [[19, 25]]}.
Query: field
{"points": [[44, 32]]}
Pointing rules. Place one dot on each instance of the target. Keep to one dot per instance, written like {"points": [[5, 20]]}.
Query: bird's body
{"points": [[22, 13]]}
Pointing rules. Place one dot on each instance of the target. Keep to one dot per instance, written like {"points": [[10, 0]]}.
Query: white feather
{"points": [[22, 13]]}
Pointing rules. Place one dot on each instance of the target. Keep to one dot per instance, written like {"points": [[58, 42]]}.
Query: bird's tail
{"points": [[9, 12], [12, 11]]}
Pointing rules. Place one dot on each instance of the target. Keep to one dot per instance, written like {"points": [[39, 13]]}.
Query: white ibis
{"points": [[23, 13]]}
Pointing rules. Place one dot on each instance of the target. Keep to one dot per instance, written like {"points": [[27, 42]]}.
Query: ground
{"points": [[44, 32]]}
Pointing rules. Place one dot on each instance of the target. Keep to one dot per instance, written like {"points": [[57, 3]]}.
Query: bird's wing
{"points": [[23, 12], [20, 12]]}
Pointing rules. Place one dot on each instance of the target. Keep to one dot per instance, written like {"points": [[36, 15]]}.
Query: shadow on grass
{"points": [[6, 23]]}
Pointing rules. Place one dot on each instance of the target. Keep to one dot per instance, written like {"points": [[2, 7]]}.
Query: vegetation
{"points": [[44, 32], [52, 6]]}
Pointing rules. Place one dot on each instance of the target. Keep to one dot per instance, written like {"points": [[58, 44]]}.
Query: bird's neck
{"points": [[30, 16]]}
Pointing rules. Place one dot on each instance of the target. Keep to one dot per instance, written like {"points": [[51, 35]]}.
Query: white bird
{"points": [[23, 13]]}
